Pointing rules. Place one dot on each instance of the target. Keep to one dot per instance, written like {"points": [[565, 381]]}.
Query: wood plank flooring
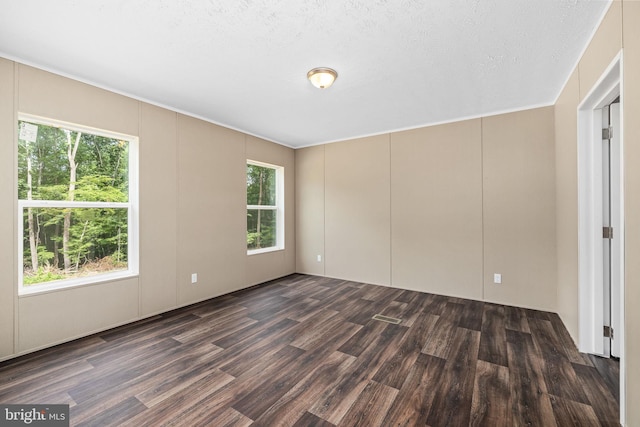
{"points": [[305, 351]]}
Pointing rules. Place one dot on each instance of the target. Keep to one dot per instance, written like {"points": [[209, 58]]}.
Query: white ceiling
{"points": [[243, 63]]}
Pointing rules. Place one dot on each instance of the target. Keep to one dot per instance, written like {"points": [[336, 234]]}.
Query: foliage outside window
{"points": [[265, 216], [75, 205]]}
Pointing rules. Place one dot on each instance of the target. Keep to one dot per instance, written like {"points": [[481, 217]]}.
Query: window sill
{"points": [[264, 250], [63, 285]]}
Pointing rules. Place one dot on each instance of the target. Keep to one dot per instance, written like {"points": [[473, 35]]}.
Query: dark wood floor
{"points": [[304, 351]]}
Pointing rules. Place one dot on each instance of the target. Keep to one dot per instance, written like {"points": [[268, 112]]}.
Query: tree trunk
{"points": [[119, 247], [56, 252], [115, 172], [72, 149], [33, 244], [65, 241], [259, 211], [40, 166], [84, 230]]}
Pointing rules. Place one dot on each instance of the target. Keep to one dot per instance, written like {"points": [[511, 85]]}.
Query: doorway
{"points": [[611, 226], [601, 220]]}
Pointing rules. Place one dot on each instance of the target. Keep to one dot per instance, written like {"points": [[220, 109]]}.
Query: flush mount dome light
{"points": [[322, 77]]}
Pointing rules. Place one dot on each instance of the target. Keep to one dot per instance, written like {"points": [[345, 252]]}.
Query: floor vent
{"points": [[387, 319]]}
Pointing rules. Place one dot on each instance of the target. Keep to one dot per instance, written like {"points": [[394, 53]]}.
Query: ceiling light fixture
{"points": [[322, 77]]}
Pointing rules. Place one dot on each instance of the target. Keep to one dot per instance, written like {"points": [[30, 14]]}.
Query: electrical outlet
{"points": [[497, 278], [319, 258], [194, 278]]}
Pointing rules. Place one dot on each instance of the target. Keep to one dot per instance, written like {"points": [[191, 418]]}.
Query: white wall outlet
{"points": [[194, 277], [319, 258], [497, 278]]}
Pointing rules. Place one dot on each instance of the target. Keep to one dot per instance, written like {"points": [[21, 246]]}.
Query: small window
{"points": [[76, 205], [265, 207]]}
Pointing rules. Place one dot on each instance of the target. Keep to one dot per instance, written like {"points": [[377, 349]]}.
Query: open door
{"points": [[601, 233], [611, 227], [607, 233]]}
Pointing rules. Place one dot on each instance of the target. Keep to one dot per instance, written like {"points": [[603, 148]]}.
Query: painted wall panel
{"points": [[604, 46], [436, 210], [310, 210], [56, 97], [50, 318], [357, 210], [519, 208], [61, 315], [211, 210], [158, 211], [267, 266], [566, 135], [192, 212], [8, 191], [481, 203]]}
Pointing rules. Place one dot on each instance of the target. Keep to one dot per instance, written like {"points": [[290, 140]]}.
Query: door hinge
{"points": [[608, 332], [607, 232], [607, 133]]}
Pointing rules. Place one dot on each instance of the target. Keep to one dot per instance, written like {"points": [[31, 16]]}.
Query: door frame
{"points": [[617, 222], [590, 250]]}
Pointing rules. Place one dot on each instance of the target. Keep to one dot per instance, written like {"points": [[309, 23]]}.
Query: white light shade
{"points": [[322, 78]]}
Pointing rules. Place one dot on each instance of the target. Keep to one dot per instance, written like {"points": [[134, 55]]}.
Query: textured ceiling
{"points": [[243, 63]]}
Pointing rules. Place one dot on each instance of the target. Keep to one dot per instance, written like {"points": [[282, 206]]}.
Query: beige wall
{"points": [[357, 210], [158, 197], [566, 131], [310, 210], [619, 29], [518, 163], [436, 214], [211, 234], [280, 263], [631, 100], [52, 96], [59, 316], [7, 208], [362, 223], [192, 212], [438, 209], [604, 46]]}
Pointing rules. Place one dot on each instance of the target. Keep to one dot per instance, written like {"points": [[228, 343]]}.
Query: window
{"points": [[77, 205], [265, 212]]}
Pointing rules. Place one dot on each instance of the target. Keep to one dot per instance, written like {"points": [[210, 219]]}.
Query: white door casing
{"points": [[590, 220], [617, 223]]}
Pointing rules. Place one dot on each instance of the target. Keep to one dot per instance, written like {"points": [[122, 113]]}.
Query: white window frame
{"points": [[278, 208], [131, 205]]}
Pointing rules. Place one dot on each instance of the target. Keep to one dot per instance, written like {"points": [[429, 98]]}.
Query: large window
{"points": [[76, 205], [265, 212]]}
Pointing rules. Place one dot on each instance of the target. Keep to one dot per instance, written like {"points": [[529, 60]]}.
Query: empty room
{"points": [[315, 213]]}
